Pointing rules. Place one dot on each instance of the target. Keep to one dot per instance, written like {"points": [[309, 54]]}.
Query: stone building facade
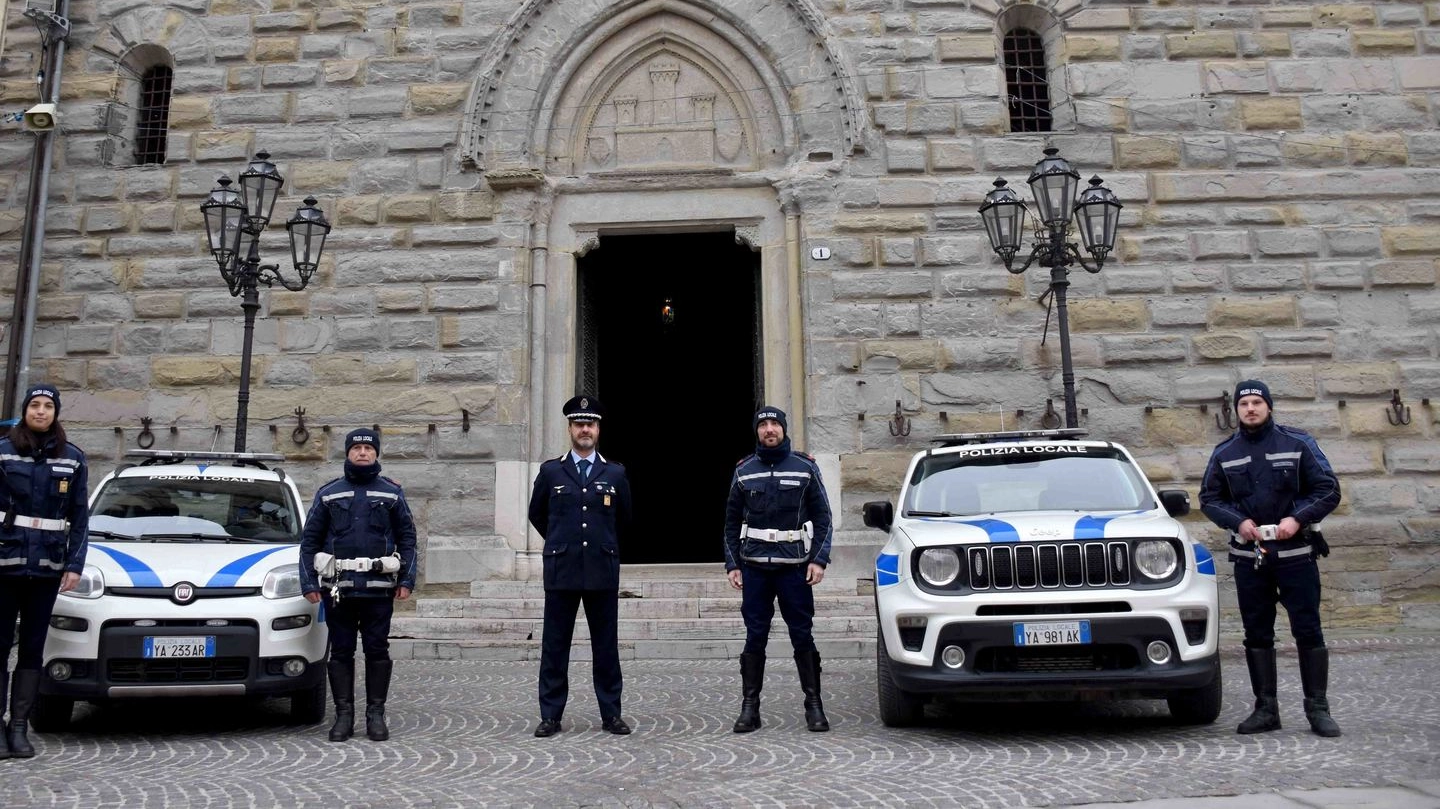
{"points": [[519, 190]]}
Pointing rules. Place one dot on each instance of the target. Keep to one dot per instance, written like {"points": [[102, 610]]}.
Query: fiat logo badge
{"points": [[184, 593]]}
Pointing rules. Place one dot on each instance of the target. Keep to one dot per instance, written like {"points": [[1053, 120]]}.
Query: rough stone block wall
{"points": [[1279, 166]]}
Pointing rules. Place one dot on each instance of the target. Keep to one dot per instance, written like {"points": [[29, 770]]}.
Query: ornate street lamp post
{"points": [[233, 222], [1097, 215]]}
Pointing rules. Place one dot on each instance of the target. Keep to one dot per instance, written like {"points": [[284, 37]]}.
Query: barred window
{"points": [[152, 123], [1027, 81]]}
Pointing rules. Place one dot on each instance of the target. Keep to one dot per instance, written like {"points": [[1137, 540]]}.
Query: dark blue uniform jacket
{"points": [[1266, 476], [360, 520], [782, 496], [582, 522], [51, 489]]}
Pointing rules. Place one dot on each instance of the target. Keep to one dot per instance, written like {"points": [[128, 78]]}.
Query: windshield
{"points": [[212, 507], [1026, 478]]}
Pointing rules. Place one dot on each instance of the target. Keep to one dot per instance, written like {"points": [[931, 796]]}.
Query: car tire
{"points": [[1198, 706], [898, 709], [307, 707], [52, 714]]}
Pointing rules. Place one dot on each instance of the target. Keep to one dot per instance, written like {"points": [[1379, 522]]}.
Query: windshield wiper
{"points": [[202, 537], [95, 532], [930, 514]]}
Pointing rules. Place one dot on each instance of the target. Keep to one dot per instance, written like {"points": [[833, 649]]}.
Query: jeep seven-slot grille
{"points": [[1048, 565]]}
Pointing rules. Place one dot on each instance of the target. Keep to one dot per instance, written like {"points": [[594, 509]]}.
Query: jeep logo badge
{"points": [[184, 593]]}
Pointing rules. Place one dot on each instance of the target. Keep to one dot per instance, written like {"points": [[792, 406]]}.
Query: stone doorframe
{"points": [[575, 225]]}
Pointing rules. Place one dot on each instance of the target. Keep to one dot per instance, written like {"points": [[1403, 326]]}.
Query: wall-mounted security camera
{"points": [[42, 118]]}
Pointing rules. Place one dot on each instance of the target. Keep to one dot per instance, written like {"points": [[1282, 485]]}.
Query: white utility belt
{"points": [[38, 523], [1303, 550], [803, 534], [327, 565]]}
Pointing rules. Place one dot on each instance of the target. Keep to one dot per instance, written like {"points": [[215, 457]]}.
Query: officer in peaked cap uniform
{"points": [[362, 528], [581, 506], [777, 545]]}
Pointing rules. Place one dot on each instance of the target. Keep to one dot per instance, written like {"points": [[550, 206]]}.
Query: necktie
{"points": [[584, 466]]}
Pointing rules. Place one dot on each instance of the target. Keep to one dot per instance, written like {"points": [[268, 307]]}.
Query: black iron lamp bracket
{"points": [[1399, 412], [1225, 419], [899, 423]]}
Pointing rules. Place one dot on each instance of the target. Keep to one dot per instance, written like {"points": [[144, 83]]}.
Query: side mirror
{"points": [[1176, 502], [879, 514]]}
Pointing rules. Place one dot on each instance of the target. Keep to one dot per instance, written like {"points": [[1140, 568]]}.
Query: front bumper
{"points": [[1113, 665], [106, 659]]}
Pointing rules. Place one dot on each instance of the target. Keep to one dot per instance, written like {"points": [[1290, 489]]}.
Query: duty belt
{"points": [[802, 535], [1302, 550], [38, 523]]}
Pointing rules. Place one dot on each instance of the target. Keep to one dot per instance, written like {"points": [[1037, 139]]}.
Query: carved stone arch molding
{"points": [[572, 88]]}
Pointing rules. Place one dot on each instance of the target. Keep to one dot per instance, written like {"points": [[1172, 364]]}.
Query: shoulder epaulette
{"points": [[742, 461], [804, 455], [392, 482]]}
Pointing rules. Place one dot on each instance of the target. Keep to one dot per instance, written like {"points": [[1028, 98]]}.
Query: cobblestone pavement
{"points": [[462, 737]]}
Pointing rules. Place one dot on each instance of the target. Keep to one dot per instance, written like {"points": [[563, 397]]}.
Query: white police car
{"points": [[191, 587], [1036, 566]]}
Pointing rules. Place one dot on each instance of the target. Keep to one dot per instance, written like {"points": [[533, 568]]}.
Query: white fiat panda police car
{"points": [[191, 587], [1036, 566]]}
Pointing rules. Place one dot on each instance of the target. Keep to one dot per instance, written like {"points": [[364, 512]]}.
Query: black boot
{"points": [[342, 688], [24, 685], [752, 678], [1314, 677], [377, 687], [4, 695], [1266, 716], [808, 663]]}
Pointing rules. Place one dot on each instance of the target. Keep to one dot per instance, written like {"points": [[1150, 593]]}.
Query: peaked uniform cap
{"points": [[583, 409]]}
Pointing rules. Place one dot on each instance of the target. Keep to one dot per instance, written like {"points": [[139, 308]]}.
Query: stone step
{"points": [[713, 587], [663, 649], [634, 629], [534, 607]]}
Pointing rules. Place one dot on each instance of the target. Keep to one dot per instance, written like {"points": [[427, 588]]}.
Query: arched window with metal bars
{"points": [[1027, 81], [152, 124]]}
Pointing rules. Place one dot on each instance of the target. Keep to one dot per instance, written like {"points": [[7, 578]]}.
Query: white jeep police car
{"points": [[191, 587], [1036, 566]]}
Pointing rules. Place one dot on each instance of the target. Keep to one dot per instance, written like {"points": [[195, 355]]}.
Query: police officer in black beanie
{"points": [[361, 531], [777, 545], [44, 525], [1269, 486]]}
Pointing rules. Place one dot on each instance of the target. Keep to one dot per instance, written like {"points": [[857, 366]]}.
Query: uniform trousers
{"points": [[33, 599], [761, 587], [602, 610], [1294, 583], [369, 617]]}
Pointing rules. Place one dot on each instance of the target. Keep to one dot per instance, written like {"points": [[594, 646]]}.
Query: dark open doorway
{"points": [[669, 339]]}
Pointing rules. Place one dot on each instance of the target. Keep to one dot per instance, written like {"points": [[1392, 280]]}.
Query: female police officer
{"points": [[43, 530]]}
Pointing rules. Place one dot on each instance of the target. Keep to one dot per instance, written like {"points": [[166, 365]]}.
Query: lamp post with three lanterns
{"points": [[1097, 215], [234, 220]]}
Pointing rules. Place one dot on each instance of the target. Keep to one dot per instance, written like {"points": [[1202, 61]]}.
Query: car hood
{"points": [[203, 564], [1038, 526]]}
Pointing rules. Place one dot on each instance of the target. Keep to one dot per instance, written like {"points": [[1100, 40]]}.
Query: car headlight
{"points": [[91, 584], [282, 582], [1156, 558], [939, 566]]}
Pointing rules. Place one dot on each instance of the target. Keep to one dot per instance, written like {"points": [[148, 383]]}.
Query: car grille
{"points": [[1057, 565], [138, 671], [169, 592]]}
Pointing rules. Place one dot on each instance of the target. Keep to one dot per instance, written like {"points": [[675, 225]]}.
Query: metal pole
{"points": [[1060, 282], [17, 370], [250, 275]]}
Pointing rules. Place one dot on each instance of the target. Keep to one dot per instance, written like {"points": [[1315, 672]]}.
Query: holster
{"points": [[1317, 543]]}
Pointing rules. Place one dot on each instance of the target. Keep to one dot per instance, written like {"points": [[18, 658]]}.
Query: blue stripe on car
{"points": [[1204, 562], [228, 575], [887, 569], [140, 573], [1092, 527], [997, 530]]}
